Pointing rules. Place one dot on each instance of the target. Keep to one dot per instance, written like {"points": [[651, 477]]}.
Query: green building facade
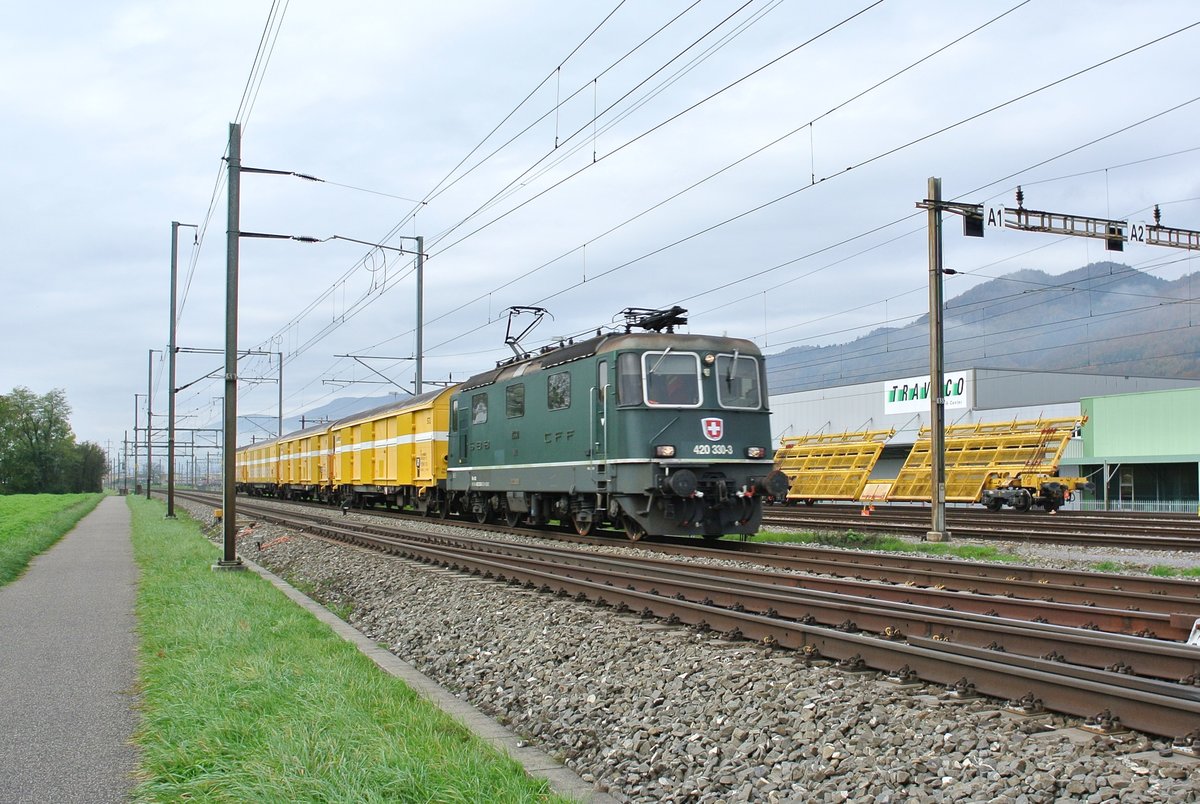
{"points": [[1143, 449]]}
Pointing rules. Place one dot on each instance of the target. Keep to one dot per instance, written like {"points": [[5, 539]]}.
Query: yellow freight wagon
{"points": [[304, 464], [257, 467], [394, 454]]}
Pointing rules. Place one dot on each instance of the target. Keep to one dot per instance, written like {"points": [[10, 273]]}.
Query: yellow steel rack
{"points": [[830, 466], [987, 455]]}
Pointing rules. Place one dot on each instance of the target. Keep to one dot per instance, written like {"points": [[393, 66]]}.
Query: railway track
{"points": [[1086, 588], [1015, 650], [1141, 531]]}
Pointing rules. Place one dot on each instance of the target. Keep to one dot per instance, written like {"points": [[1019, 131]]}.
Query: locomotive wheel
{"points": [[633, 529], [583, 527], [483, 517], [512, 518]]}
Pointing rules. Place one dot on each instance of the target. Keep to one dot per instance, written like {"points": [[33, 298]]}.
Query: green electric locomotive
{"points": [[652, 431]]}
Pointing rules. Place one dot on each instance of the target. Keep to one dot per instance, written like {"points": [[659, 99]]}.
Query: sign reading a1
{"points": [[993, 215]]}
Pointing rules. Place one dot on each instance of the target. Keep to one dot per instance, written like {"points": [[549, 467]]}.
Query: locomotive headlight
{"points": [[756, 452], [710, 359], [664, 451]]}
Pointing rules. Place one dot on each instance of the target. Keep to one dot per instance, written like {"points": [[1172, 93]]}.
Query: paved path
{"points": [[68, 664]]}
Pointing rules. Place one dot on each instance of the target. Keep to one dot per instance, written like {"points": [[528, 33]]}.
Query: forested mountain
{"points": [[1104, 318]]}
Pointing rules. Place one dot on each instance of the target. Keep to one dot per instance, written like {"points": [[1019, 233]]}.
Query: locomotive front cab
{"points": [[691, 428]]}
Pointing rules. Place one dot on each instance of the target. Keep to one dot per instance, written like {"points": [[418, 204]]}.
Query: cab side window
{"points": [[558, 391], [514, 401], [629, 379], [479, 408]]}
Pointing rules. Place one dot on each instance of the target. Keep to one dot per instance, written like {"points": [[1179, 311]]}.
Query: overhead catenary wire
{"points": [[258, 71], [661, 124], [345, 276], [433, 239], [834, 27], [864, 162], [727, 167], [593, 277]]}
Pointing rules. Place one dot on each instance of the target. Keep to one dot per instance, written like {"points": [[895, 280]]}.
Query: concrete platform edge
{"points": [[536, 762]]}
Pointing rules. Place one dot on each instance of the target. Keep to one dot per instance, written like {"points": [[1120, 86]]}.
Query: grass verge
{"points": [[31, 523], [247, 697], [1166, 571], [853, 540]]}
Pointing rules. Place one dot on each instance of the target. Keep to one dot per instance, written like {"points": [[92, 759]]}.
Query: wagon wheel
{"points": [[633, 529], [583, 527], [484, 515], [1023, 501], [512, 518], [438, 508]]}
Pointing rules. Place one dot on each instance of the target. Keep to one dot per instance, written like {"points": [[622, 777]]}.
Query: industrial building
{"points": [[1140, 444]]}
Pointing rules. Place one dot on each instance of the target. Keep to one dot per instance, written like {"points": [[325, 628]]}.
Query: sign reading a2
{"points": [[1137, 232]]}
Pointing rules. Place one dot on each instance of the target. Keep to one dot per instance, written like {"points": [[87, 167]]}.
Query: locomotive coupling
{"points": [[774, 484], [681, 483]]}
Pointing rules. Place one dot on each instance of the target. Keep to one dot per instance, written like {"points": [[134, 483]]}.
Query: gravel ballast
{"points": [[649, 712]]}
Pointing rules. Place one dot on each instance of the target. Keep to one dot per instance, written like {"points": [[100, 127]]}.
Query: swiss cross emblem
{"points": [[713, 429]]}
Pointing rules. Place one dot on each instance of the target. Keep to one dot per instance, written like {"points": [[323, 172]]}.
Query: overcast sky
{"points": [[582, 157]]}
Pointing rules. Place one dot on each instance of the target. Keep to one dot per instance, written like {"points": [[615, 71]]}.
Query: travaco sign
{"points": [[912, 395]]}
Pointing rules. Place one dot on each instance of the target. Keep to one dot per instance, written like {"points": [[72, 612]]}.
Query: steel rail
{"points": [[1102, 696], [1031, 583], [1104, 692], [985, 525], [1120, 654]]}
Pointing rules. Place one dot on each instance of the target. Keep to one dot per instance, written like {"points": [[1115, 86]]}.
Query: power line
{"points": [[888, 152], [526, 275]]}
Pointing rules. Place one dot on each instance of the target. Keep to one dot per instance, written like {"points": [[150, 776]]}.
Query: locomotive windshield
{"points": [[737, 382], [672, 379]]}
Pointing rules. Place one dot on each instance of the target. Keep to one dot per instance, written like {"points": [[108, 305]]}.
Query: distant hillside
{"points": [[1104, 318]]}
